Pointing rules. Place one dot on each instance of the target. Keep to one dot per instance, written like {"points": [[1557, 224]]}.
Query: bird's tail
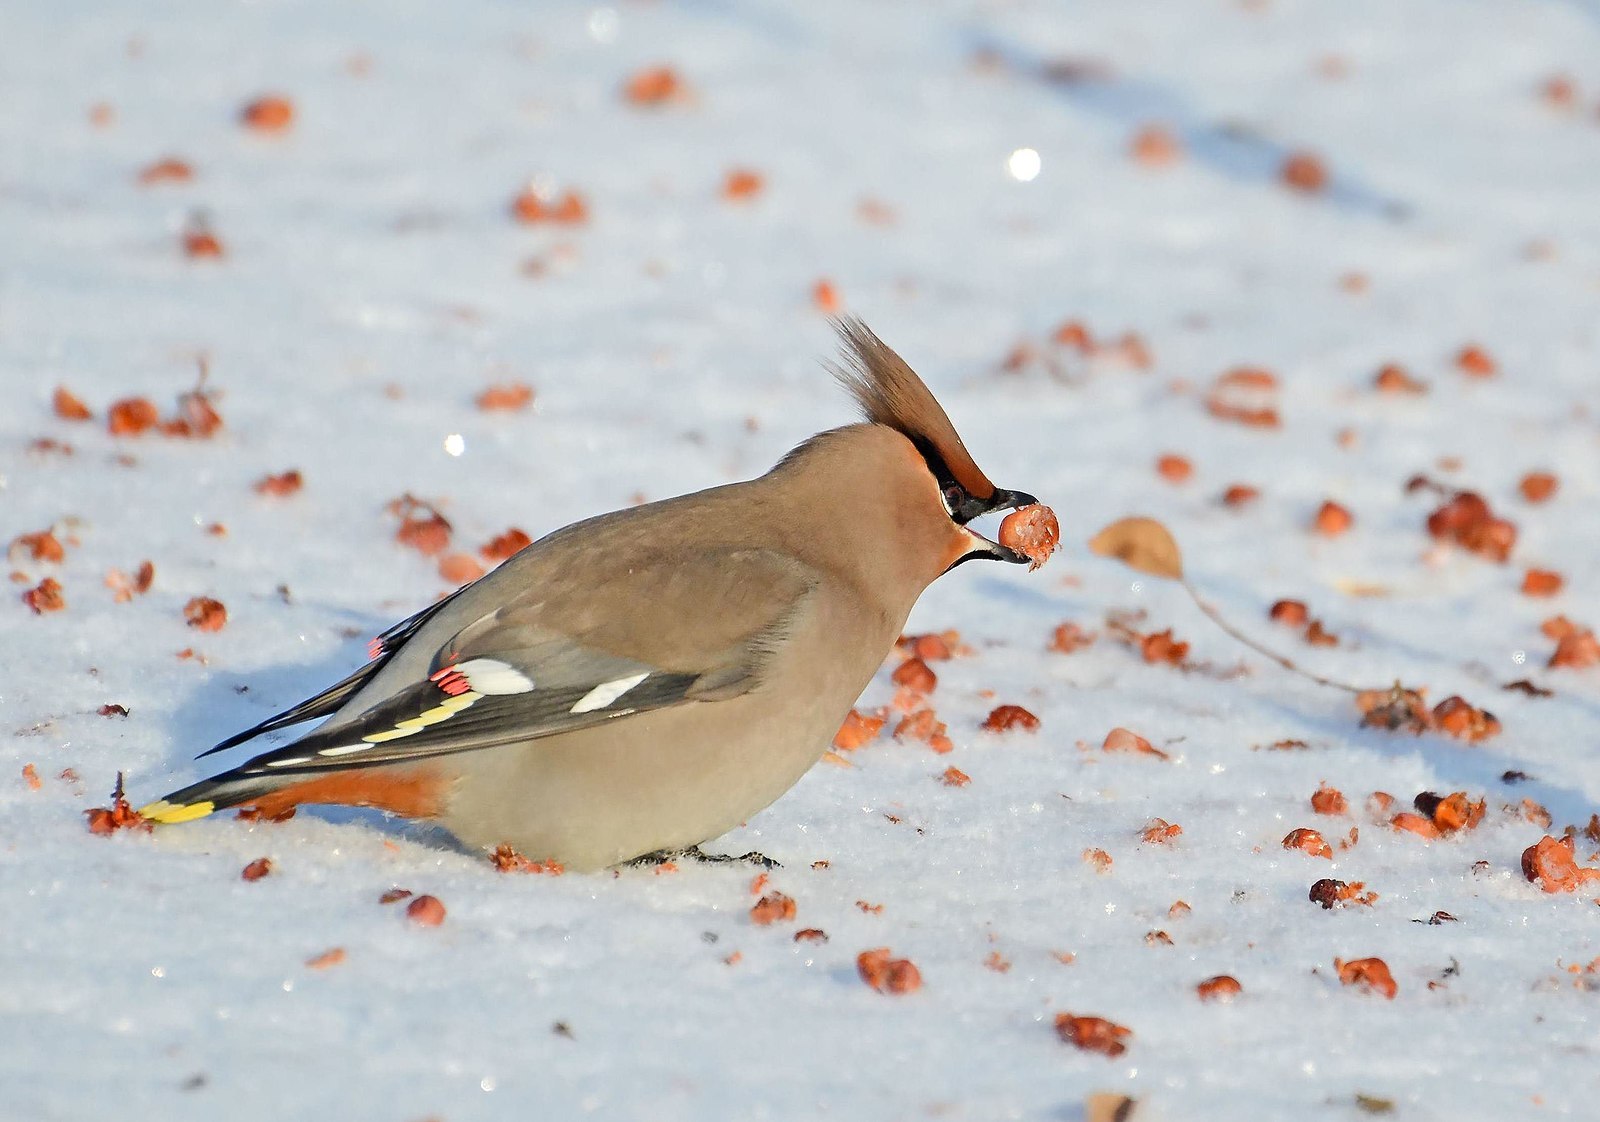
{"points": [[210, 795]]}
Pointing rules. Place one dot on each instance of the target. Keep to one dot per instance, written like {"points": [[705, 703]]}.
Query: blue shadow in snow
{"points": [[230, 702], [1230, 150]]}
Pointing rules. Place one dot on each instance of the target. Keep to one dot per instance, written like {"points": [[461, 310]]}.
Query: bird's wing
{"points": [[331, 699], [700, 627]]}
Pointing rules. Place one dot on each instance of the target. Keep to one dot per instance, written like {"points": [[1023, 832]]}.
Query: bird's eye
{"points": [[953, 496]]}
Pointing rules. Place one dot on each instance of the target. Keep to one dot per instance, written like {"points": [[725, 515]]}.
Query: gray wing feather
{"points": [[488, 723], [568, 678]]}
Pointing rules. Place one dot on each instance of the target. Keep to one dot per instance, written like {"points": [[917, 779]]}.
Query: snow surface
{"points": [[374, 284]]}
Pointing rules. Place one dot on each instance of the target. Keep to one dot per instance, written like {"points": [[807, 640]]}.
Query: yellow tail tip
{"points": [[167, 813]]}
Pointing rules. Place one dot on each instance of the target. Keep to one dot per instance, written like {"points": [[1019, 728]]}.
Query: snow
{"points": [[374, 284]]}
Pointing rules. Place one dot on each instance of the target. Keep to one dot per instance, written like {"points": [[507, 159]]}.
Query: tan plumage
{"points": [[648, 679], [890, 394]]}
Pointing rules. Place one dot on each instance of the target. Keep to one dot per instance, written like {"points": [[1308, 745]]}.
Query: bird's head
{"points": [[935, 486]]}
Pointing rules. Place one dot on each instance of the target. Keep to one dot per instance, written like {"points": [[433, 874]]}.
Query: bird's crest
{"points": [[890, 394]]}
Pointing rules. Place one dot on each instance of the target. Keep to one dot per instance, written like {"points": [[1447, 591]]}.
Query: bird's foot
{"points": [[695, 853]]}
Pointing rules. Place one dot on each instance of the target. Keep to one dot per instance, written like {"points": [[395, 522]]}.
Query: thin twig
{"points": [[1288, 665]]}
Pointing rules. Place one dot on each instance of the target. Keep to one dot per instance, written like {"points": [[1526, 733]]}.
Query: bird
{"points": [[641, 682]]}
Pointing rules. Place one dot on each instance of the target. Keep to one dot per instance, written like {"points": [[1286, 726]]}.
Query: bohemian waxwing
{"points": [[646, 680]]}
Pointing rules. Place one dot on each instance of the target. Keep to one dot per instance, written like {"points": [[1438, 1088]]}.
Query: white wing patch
{"points": [[607, 692], [344, 749], [491, 676]]}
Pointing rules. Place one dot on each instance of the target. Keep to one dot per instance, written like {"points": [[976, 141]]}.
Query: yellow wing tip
{"points": [[168, 813]]}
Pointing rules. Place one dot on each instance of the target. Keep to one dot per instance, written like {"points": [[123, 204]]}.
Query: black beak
{"points": [[971, 508], [1010, 500]]}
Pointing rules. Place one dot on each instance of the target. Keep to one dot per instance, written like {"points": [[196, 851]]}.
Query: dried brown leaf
{"points": [[1143, 544]]}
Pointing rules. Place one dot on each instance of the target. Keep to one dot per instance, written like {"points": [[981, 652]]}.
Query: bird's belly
{"points": [[652, 781]]}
